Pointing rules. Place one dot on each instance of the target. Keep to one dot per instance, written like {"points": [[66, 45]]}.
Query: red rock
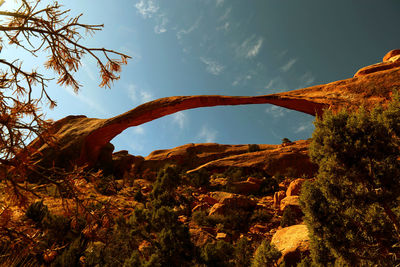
{"points": [[81, 140], [293, 242], [391, 54], [245, 187], [259, 228], [387, 65], [207, 199], [218, 208], [222, 236], [202, 206], [271, 161], [289, 201], [295, 187], [278, 196]]}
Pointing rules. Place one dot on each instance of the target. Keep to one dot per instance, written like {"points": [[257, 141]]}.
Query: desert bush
{"points": [[266, 255], [107, 185], [217, 253], [243, 252], [200, 178], [261, 215], [351, 208], [289, 217]]}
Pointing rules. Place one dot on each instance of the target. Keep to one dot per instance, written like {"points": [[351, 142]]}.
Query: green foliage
{"points": [[253, 148], [243, 252], [268, 186], [236, 220], [71, 255], [168, 179], [200, 178], [289, 217], [351, 209], [261, 215], [266, 255], [107, 185], [217, 254], [286, 140], [138, 196]]}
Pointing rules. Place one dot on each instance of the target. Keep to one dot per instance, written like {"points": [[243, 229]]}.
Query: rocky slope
{"points": [[81, 140]]}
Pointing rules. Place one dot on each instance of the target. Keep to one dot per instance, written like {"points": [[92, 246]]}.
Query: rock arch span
{"points": [[80, 139]]}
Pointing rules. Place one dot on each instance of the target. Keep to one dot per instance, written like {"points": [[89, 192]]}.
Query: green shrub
{"points": [[217, 254], [243, 252], [107, 185], [261, 215], [266, 255], [289, 216], [200, 178]]}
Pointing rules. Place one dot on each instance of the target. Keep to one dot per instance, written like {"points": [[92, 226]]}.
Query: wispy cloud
{"points": [[304, 127], [276, 111], [307, 79], [242, 79], [180, 119], [207, 135], [224, 27], [226, 14], [86, 100], [212, 66], [275, 85], [139, 130], [147, 8], [88, 70], [137, 95], [250, 47], [183, 32], [289, 65], [161, 26]]}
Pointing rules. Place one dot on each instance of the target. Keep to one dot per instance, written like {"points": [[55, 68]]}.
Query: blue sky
{"points": [[227, 47]]}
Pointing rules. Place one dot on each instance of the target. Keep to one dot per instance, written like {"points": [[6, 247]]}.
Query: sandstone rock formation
{"points": [[295, 187], [81, 140], [292, 242], [293, 159]]}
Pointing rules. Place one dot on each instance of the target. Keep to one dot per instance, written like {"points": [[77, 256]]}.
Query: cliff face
{"points": [[81, 140]]}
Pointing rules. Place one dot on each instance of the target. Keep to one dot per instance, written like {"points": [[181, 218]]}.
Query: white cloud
{"points": [[276, 85], [226, 14], [250, 47], [207, 135], [137, 95], [242, 79], [307, 79], [276, 111], [182, 32], [161, 26], [212, 66], [139, 130], [224, 27], [180, 119], [88, 70], [289, 65], [304, 127], [147, 8], [87, 100]]}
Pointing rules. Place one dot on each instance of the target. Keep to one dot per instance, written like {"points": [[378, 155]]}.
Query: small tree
{"points": [[266, 255], [351, 209]]}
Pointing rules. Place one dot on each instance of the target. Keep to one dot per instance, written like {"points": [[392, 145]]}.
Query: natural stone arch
{"points": [[80, 139]]}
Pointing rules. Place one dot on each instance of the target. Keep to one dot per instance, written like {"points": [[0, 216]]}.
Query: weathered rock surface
{"points": [[295, 187], [292, 242], [290, 201], [81, 140], [293, 159], [278, 196]]}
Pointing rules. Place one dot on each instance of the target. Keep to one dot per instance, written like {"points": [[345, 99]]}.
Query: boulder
{"points": [[293, 242], [295, 187], [201, 206], [290, 201], [218, 208], [245, 187], [278, 196], [207, 199]]}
